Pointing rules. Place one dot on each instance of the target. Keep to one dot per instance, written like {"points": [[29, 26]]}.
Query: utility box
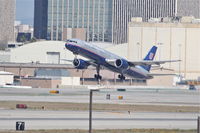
{"points": [[20, 125], [108, 96]]}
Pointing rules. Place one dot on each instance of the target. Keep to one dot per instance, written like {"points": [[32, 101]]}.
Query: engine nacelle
{"points": [[121, 63], [80, 64]]}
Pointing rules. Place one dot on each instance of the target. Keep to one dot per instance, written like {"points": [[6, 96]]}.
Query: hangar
{"points": [[176, 39]]}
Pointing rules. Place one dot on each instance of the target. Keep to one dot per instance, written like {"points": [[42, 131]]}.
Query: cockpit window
{"points": [[71, 41]]}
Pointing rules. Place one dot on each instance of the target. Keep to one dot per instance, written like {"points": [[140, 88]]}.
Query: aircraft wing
{"points": [[161, 74], [35, 65], [90, 62], [67, 60], [150, 62]]}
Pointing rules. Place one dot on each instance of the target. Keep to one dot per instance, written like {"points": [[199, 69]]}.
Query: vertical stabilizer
{"points": [[150, 56]]}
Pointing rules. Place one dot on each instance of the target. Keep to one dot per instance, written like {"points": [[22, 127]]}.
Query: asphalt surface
{"points": [[130, 96], [101, 120], [43, 119]]}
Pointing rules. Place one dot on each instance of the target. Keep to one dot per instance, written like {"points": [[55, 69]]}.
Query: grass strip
{"points": [[98, 107]]}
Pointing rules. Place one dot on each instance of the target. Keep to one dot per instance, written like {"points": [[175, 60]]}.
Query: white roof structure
{"points": [[5, 73], [37, 52], [49, 51]]}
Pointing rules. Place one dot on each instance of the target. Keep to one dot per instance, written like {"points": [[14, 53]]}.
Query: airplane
{"points": [[100, 58]]}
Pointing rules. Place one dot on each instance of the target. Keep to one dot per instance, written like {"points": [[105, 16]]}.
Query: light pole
{"points": [[198, 124], [179, 61], [90, 112], [160, 44], [138, 44], [91, 88]]}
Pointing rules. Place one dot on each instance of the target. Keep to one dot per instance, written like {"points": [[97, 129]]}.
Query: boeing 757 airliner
{"points": [[99, 58]]}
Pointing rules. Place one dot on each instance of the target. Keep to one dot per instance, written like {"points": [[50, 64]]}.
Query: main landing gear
{"points": [[97, 76], [121, 77]]}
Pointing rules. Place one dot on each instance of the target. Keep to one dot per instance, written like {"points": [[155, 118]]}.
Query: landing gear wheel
{"points": [[121, 77], [98, 77]]}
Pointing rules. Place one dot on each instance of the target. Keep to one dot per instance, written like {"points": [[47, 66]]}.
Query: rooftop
{"points": [[5, 73]]}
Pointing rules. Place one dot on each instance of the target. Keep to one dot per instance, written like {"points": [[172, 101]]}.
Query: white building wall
{"points": [[192, 52], [178, 41], [135, 42], [120, 50], [70, 80], [162, 38], [149, 33], [6, 78], [178, 47]]}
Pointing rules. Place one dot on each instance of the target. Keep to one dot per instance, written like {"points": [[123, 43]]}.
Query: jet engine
{"points": [[80, 64], [121, 64]]}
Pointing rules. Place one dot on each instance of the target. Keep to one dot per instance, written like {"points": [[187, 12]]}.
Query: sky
{"points": [[25, 11]]}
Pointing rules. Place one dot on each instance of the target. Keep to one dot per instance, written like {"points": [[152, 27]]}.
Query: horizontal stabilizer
{"points": [[150, 62], [160, 74]]}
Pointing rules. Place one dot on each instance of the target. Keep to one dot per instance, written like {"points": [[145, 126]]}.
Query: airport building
{"points": [[7, 18], [175, 40], [102, 20], [188, 8]]}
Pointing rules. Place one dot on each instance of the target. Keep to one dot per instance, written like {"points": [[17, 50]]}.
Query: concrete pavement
{"points": [[101, 120]]}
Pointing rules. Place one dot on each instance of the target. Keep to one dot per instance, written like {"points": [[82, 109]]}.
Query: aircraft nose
{"points": [[66, 45]]}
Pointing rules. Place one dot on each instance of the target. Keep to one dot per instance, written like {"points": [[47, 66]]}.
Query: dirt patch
{"points": [[97, 107]]}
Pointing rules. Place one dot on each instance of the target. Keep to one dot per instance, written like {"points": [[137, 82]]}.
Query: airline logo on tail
{"points": [[151, 55]]}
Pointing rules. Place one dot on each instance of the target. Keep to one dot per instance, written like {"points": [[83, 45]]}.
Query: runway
{"points": [[101, 120], [44, 119], [130, 96]]}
